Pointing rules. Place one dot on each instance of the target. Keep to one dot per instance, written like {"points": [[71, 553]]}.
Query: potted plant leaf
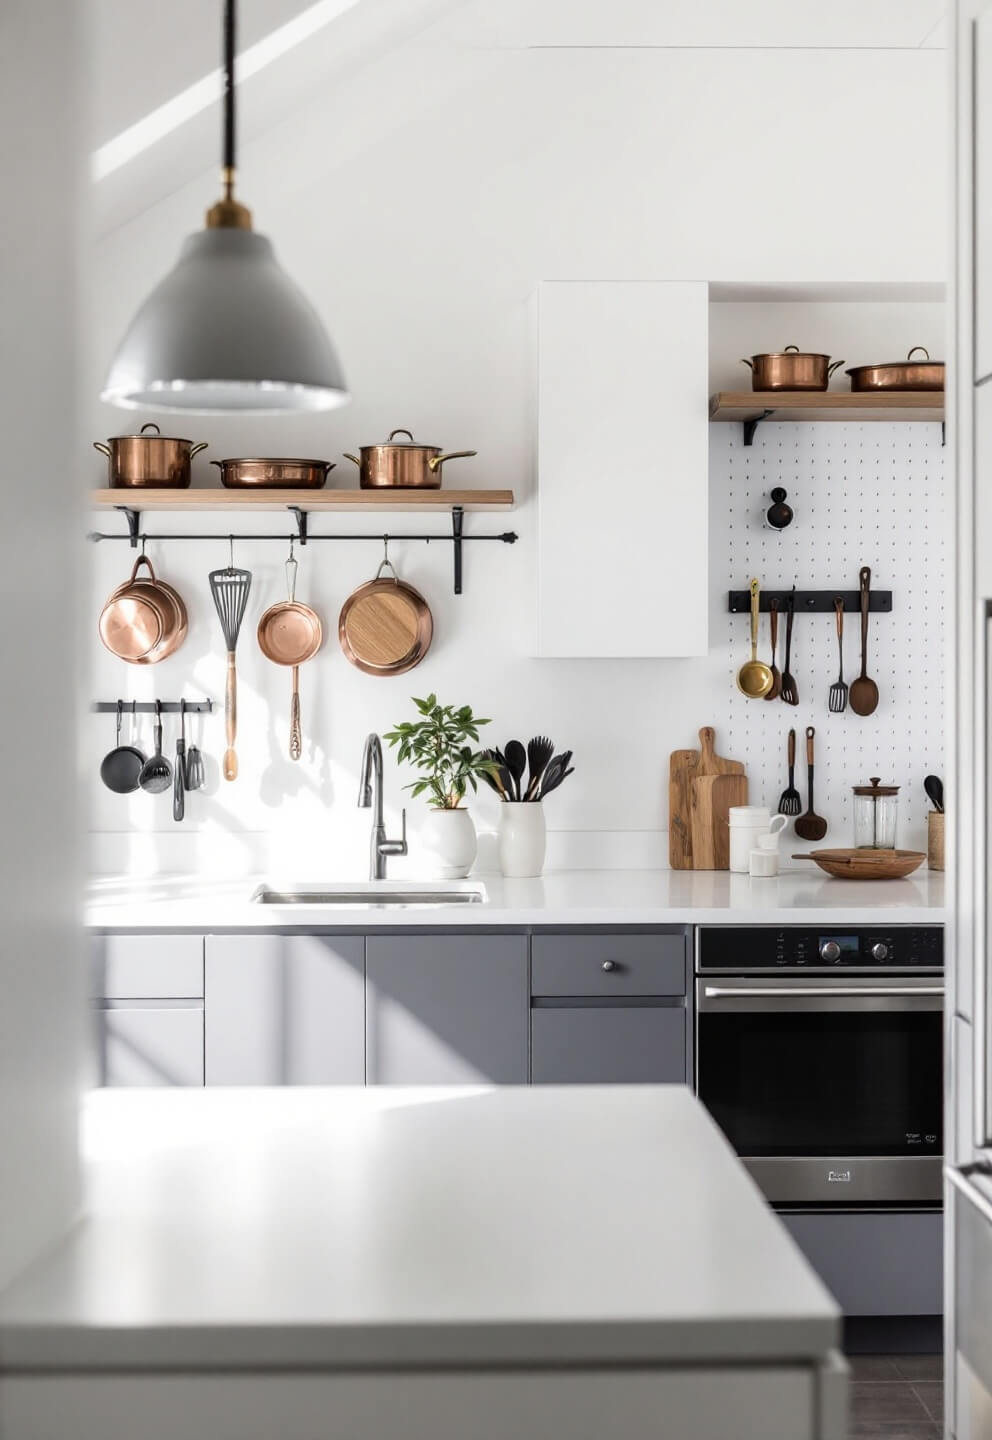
{"points": [[438, 744]]}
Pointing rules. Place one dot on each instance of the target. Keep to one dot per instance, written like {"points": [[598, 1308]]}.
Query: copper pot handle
{"points": [[401, 431], [749, 365], [142, 560], [437, 461], [350, 457], [195, 449], [103, 449], [914, 350], [835, 366]]}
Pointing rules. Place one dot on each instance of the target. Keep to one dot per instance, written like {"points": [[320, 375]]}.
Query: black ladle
{"points": [[122, 766], [156, 773], [934, 787]]}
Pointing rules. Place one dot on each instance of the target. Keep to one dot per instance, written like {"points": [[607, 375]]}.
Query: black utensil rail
{"points": [[812, 602]]}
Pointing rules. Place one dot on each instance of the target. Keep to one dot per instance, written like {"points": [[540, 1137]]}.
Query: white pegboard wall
{"points": [[863, 494]]}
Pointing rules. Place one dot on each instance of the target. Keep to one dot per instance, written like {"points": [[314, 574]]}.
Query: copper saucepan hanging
{"points": [[403, 465], [143, 460], [290, 634], [791, 369], [144, 620], [385, 626]]}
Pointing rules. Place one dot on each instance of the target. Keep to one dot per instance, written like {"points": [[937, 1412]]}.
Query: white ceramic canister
{"points": [[448, 837], [747, 823], [522, 838], [764, 861]]}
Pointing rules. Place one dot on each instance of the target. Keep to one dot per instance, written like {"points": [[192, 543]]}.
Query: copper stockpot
{"points": [[908, 374], [791, 369], [273, 474], [144, 620], [142, 460], [404, 465]]}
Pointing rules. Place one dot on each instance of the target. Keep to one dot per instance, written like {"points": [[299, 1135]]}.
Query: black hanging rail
{"points": [[813, 602], [149, 707], [304, 535]]}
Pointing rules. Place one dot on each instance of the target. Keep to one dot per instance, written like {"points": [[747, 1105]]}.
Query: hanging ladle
{"points": [[755, 678]]}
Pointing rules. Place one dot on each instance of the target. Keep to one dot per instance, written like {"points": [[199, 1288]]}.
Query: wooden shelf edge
{"points": [[312, 500], [828, 404]]}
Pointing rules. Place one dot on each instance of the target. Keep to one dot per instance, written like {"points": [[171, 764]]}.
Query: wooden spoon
{"points": [[776, 689], [754, 678], [810, 826], [863, 697]]}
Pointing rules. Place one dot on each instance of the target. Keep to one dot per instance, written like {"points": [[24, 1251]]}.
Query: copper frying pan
{"points": [[290, 634], [385, 626], [144, 620]]}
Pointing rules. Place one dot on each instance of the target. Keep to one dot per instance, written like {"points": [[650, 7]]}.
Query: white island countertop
{"points": [[568, 897], [329, 1229]]}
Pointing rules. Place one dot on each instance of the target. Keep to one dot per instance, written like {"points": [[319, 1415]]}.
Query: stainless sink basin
{"points": [[373, 894]]}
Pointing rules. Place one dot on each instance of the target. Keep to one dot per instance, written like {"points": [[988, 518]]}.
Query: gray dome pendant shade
{"points": [[226, 329]]}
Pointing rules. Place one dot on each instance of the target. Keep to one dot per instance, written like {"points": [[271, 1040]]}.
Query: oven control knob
{"points": [[830, 951], [880, 951]]}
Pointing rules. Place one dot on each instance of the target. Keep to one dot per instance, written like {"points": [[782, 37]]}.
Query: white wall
{"points": [[419, 203], [41, 978]]}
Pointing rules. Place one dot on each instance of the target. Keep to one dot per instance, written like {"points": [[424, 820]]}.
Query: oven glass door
{"points": [[821, 1073]]}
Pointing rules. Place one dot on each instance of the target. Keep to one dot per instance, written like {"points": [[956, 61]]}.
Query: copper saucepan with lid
{"points": [[908, 374], [791, 369], [403, 464], [149, 460]]}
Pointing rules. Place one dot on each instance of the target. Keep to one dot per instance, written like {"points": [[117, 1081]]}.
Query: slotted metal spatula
{"points": [[230, 588], [838, 690]]}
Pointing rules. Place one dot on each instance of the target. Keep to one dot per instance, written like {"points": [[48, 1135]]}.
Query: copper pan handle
{"points": [[103, 449], [835, 366], [749, 365], [295, 729], [346, 456], [195, 449], [435, 464], [231, 719]]}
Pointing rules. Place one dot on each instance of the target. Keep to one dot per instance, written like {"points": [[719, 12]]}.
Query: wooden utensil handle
{"points": [[810, 732], [792, 749], [295, 729], [754, 619], [707, 744], [231, 718], [864, 580], [773, 623], [839, 612]]}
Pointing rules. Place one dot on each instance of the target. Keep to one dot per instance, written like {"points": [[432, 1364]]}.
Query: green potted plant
{"points": [[438, 745]]}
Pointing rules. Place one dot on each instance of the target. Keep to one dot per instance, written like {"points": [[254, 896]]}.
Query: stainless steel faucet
{"points": [[379, 848]]}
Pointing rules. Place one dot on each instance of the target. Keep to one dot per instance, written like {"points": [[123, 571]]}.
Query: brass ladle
{"points": [[755, 678]]}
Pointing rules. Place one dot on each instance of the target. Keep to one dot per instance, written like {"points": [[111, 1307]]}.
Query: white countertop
{"points": [[575, 897], [346, 1228]]}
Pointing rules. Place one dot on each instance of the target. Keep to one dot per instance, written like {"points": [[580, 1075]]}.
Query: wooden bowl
{"points": [[866, 864]]}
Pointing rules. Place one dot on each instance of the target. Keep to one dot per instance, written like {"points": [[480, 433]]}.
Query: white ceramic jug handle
{"points": [[778, 824]]}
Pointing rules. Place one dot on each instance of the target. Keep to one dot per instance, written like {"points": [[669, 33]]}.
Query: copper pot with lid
{"points": [[403, 464], [908, 374], [149, 460], [791, 369]]}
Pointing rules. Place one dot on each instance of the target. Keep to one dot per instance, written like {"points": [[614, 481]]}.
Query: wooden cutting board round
{"points": [[385, 627]]}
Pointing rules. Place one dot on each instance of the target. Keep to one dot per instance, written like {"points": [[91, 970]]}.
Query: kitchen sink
{"points": [[372, 894]]}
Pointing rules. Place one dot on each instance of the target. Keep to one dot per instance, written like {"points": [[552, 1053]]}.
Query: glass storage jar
{"points": [[875, 810]]}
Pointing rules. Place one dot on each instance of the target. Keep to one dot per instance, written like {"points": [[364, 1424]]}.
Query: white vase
{"points": [[522, 838], [448, 837]]}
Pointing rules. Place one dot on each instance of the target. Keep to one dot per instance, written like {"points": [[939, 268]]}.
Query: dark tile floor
{"points": [[897, 1397]]}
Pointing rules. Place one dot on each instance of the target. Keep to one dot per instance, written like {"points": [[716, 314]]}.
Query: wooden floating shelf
{"points": [[751, 407], [311, 500]]}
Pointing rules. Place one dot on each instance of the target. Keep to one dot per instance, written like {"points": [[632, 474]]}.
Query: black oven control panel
{"points": [[801, 947]]}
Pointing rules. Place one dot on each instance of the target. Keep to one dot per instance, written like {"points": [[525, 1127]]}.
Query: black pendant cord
{"points": [[229, 49]]}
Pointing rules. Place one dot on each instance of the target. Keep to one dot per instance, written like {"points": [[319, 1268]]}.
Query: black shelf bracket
{"points": [[149, 707], [749, 426], [301, 522], [133, 518], [810, 602], [457, 525]]}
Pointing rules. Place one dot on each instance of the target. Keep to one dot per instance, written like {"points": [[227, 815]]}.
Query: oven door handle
{"points": [[820, 992]]}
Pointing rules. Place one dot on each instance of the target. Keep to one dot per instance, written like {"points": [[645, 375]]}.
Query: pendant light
{"points": [[226, 330]]}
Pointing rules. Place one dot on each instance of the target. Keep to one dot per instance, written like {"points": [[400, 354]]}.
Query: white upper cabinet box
{"points": [[983, 196], [623, 456]]}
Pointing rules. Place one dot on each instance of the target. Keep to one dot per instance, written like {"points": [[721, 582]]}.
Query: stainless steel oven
{"points": [[819, 1052]]}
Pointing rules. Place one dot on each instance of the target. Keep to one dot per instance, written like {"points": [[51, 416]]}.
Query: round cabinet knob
{"points": [[830, 951], [880, 951], [609, 965]]}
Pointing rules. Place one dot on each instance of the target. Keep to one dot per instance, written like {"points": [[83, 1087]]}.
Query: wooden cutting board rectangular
{"points": [[685, 766], [712, 797]]}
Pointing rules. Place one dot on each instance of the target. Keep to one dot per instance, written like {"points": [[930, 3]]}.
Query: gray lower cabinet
{"points": [[446, 1009], [150, 1043], [615, 1045], [285, 1010], [875, 1263]]}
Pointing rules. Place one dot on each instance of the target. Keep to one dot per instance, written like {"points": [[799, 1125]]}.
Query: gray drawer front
{"points": [[876, 1264], [636, 964], [618, 1045], [148, 967]]}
